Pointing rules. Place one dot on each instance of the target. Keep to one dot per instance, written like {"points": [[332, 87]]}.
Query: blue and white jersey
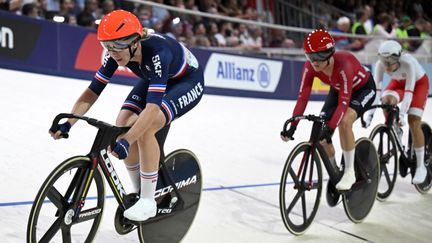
{"points": [[164, 61]]}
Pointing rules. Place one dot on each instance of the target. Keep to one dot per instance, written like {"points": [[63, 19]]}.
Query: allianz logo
{"points": [[6, 38], [231, 71]]}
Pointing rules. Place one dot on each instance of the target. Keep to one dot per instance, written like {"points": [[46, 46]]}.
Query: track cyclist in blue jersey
{"points": [[172, 83]]}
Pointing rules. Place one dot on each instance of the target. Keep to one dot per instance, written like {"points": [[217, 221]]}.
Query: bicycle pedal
{"points": [[121, 224], [332, 195]]}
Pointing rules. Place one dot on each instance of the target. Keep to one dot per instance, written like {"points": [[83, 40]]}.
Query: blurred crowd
{"points": [[194, 31], [385, 18]]}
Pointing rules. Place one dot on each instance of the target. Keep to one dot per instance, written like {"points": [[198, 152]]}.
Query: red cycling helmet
{"points": [[118, 29], [318, 45]]}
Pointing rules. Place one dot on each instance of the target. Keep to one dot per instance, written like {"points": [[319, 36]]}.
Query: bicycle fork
{"points": [[303, 169]]}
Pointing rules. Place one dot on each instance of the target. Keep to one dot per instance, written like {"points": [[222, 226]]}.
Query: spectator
{"points": [[189, 36], [212, 32], [381, 31], [408, 29], [342, 26], [201, 38], [88, 16], [107, 6], [10, 5], [161, 14], [425, 32], [358, 29], [175, 29], [86, 20], [279, 39], [31, 10], [256, 36], [66, 7], [230, 8], [369, 23], [144, 13]]}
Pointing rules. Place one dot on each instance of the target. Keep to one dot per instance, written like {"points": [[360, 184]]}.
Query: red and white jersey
{"points": [[410, 71], [347, 77]]}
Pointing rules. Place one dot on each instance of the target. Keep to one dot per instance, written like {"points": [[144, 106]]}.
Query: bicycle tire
{"points": [[358, 202], [387, 151], [295, 217], [424, 187], [165, 227], [52, 197]]}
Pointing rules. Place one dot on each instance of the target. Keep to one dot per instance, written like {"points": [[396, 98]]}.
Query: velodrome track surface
{"points": [[241, 154]]}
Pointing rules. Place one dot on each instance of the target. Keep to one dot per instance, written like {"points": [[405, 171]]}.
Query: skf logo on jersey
{"points": [[157, 65], [6, 38]]}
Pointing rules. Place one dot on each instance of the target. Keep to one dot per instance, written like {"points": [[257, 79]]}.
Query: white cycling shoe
{"points": [[420, 175], [346, 181], [142, 210]]}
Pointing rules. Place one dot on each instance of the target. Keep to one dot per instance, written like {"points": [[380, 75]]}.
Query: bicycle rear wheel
{"points": [[300, 188], [53, 217], [359, 201], [385, 144], [427, 184], [176, 212]]}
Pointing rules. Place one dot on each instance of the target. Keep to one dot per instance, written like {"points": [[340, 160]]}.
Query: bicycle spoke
{"points": [[386, 173], [294, 201], [77, 177], [295, 178], [52, 230], [56, 198], [304, 207], [66, 235]]}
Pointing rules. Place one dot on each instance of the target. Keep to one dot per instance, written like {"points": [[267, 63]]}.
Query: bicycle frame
{"points": [[98, 155], [331, 167], [393, 114]]}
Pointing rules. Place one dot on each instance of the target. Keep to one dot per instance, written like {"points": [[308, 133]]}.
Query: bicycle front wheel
{"points": [[54, 218], [385, 144], [300, 188]]}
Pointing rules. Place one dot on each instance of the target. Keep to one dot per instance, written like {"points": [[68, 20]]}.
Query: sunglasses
{"points": [[389, 60], [319, 56], [119, 44]]}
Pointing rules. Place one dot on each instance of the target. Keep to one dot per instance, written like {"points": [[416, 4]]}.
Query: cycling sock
{"points": [[133, 171], [349, 160], [148, 184], [419, 152]]}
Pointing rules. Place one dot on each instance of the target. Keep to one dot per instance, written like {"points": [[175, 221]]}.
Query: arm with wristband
{"points": [[88, 97]]}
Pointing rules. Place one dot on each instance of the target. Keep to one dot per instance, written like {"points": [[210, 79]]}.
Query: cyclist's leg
{"points": [[360, 101], [327, 111], [392, 95], [131, 108], [179, 98], [347, 140], [415, 114]]}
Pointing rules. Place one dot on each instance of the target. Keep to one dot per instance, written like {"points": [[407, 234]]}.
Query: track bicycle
{"points": [[302, 180], [70, 202], [389, 145]]}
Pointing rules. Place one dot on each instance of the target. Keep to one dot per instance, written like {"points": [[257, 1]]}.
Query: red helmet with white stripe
{"points": [[318, 45]]}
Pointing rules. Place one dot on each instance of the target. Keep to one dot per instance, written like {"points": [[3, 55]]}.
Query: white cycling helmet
{"points": [[389, 52]]}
